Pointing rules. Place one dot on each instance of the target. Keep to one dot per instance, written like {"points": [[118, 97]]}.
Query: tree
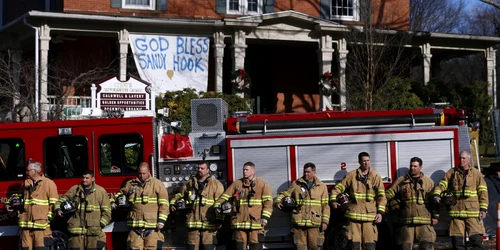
{"points": [[492, 3], [17, 85], [435, 15], [376, 54]]}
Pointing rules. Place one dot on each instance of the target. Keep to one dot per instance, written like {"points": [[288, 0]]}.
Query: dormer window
{"points": [[244, 7], [139, 4], [345, 10]]}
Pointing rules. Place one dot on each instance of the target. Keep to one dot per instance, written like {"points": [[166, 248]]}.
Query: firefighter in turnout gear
{"points": [[39, 195], [93, 212], [366, 189], [469, 187], [148, 212], [415, 216], [252, 208], [310, 218], [200, 194]]}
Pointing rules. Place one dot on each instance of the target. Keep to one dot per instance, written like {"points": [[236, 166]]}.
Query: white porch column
{"points": [[219, 59], [238, 51], [325, 55], [490, 67], [123, 40], [426, 63], [44, 60], [342, 59]]}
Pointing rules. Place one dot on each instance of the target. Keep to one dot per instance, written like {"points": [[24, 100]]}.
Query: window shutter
{"points": [[268, 6], [116, 3], [325, 9], [220, 6], [161, 4]]}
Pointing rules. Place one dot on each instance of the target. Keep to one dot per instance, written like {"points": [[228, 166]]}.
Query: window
{"points": [[120, 154], [12, 161], [244, 7], [139, 4], [65, 156], [345, 10]]}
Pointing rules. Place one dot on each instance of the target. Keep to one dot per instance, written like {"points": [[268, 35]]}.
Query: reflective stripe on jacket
{"points": [[202, 213], [312, 204], [39, 201], [149, 202], [251, 204], [415, 198], [367, 196], [470, 190], [93, 210]]}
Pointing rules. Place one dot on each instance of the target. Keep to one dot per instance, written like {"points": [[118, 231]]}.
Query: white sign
{"points": [[172, 63], [113, 95]]}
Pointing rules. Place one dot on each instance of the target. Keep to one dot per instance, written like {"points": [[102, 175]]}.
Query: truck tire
{"points": [[335, 239]]}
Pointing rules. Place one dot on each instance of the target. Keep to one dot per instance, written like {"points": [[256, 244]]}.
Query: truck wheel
{"points": [[336, 239]]}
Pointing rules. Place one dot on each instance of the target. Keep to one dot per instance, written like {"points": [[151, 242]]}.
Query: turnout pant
{"points": [[35, 239], [250, 237], [471, 225], [361, 231], [406, 235], [205, 236], [87, 242], [146, 241], [307, 238]]}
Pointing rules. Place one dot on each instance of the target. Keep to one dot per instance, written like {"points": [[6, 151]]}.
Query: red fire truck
{"points": [[279, 145]]}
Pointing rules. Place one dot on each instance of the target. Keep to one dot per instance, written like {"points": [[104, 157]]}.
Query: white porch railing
{"points": [[71, 106]]}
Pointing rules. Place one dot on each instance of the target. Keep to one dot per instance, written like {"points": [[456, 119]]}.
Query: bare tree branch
{"points": [[436, 15], [492, 3]]}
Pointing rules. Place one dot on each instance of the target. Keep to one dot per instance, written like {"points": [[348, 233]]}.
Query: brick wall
{"points": [[388, 12]]}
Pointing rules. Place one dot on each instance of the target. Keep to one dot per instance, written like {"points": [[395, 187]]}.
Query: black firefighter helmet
{"points": [[289, 204], [67, 207], [448, 198], [181, 205], [121, 201], [343, 199], [226, 207], [15, 201]]}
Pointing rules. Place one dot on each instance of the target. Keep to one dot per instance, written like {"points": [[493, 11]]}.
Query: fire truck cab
{"points": [[278, 144]]}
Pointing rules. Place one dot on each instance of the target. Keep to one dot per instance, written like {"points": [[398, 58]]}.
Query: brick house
{"points": [[284, 44]]}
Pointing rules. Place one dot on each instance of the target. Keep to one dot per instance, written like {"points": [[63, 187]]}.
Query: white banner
{"points": [[172, 63]]}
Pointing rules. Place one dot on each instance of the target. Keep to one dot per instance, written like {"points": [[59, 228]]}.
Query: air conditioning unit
{"points": [[208, 115]]}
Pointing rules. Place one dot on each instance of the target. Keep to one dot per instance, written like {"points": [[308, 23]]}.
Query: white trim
{"points": [[355, 12], [152, 5], [243, 8], [336, 139]]}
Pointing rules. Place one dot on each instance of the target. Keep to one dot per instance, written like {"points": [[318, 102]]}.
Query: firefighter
{"points": [[252, 208], [366, 189], [468, 186], [91, 212], [198, 197], [148, 211], [311, 216], [415, 215], [39, 194]]}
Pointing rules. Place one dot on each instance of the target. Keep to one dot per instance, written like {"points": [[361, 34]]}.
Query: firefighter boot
{"points": [[356, 245], [209, 247], [190, 247], [255, 246], [476, 242], [457, 243], [406, 246], [425, 245], [240, 246], [370, 246]]}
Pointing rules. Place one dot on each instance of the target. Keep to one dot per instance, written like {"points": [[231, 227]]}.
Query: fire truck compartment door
{"points": [[271, 164]]}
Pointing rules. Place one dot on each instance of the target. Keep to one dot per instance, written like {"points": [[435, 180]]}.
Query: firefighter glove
{"points": [[160, 225], [263, 222]]}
